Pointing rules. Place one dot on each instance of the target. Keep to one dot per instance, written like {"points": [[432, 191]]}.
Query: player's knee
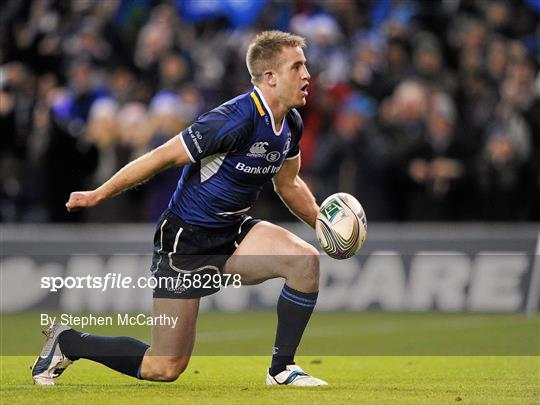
{"points": [[309, 267], [169, 370], [311, 273]]}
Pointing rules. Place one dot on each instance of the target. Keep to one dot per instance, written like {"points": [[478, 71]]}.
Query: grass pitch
{"points": [[366, 358]]}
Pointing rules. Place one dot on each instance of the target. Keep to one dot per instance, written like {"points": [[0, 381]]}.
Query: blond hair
{"points": [[265, 48]]}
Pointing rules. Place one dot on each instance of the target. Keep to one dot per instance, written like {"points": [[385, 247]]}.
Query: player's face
{"points": [[292, 77]]}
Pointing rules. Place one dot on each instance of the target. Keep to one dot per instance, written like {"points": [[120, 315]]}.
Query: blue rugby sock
{"points": [[123, 354], [294, 309]]}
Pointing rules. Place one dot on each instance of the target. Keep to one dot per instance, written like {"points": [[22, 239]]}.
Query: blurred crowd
{"points": [[424, 110]]}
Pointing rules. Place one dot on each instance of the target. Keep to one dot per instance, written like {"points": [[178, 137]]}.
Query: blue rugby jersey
{"points": [[234, 150]]}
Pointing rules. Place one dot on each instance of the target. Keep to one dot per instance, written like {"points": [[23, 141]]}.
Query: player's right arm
{"points": [[171, 153]]}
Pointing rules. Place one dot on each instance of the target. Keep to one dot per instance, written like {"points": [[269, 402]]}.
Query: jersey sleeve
{"points": [[297, 126], [218, 131]]}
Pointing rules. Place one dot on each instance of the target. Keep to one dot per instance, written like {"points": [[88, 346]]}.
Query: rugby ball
{"points": [[341, 226]]}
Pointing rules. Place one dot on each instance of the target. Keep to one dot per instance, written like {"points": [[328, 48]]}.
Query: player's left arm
{"points": [[295, 193]]}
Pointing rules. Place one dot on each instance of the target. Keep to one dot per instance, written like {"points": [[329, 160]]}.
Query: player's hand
{"points": [[82, 199]]}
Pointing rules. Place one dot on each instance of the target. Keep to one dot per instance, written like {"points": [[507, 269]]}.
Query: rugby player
{"points": [[227, 155]]}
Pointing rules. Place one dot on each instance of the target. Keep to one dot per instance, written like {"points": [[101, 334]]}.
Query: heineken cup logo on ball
{"points": [[341, 226]]}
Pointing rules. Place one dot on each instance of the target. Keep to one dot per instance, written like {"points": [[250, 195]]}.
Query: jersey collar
{"points": [[269, 111]]}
